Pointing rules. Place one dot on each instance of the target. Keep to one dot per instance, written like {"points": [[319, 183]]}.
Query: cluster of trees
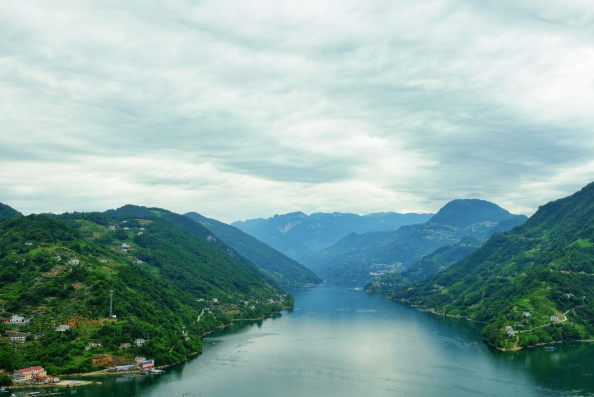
{"points": [[538, 263], [156, 298]]}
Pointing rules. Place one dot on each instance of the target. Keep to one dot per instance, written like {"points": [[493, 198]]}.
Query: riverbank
{"points": [[62, 383]]}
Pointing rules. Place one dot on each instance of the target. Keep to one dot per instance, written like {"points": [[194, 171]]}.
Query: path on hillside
{"points": [[546, 325]]}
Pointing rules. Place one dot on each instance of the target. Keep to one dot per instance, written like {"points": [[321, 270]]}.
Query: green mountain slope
{"points": [[364, 257], [279, 267], [8, 212], [162, 279], [297, 234], [545, 267], [436, 261]]}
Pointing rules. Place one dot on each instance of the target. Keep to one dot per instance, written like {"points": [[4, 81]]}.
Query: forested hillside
{"points": [[8, 212], [537, 279], [59, 269], [430, 264], [366, 256], [278, 266]]}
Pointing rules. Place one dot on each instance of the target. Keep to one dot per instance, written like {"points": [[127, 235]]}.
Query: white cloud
{"points": [[238, 110]]}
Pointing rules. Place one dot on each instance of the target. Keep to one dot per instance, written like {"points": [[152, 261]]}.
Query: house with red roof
{"points": [[33, 373]]}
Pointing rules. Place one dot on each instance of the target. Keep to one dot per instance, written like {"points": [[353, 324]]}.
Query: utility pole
{"points": [[110, 303]]}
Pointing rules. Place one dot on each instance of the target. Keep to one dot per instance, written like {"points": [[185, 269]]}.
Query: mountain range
{"points": [[365, 256], [278, 266], [297, 235], [532, 285]]}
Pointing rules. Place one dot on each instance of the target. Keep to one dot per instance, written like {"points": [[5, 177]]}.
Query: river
{"points": [[340, 341]]}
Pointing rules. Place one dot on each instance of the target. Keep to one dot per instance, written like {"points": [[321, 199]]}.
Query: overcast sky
{"points": [[243, 109]]}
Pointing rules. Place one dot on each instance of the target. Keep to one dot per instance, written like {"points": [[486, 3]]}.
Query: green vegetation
{"points": [[163, 281], [357, 256], [8, 212], [438, 260], [279, 267], [545, 267]]}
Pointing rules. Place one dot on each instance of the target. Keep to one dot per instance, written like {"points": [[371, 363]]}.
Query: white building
{"points": [[91, 345], [555, 319], [62, 328], [74, 261], [29, 244], [140, 233], [141, 228], [139, 342], [111, 228], [526, 314], [215, 300], [16, 319], [125, 245]]}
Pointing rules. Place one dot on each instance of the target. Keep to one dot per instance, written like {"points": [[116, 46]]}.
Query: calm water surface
{"points": [[340, 341]]}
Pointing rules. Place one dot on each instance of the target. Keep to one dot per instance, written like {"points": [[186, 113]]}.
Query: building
{"points": [[526, 314], [29, 244], [111, 228], [33, 373], [16, 319], [125, 346], [139, 359], [270, 300], [139, 342], [62, 328], [18, 337], [124, 250], [18, 377], [510, 330], [59, 258], [103, 260], [126, 228], [569, 295], [140, 233], [4, 320], [74, 261], [555, 319], [124, 245], [145, 364], [92, 345], [53, 379], [199, 300], [142, 229], [215, 300]]}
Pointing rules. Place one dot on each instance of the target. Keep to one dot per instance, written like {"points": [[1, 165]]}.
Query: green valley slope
{"points": [[544, 267], [436, 261], [363, 257], [279, 267], [59, 269]]}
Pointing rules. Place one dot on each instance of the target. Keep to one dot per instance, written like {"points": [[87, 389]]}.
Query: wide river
{"points": [[340, 341]]}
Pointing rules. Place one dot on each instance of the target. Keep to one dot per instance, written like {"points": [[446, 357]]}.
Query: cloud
{"points": [[240, 110]]}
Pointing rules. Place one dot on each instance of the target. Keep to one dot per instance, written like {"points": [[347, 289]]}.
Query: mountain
{"points": [[297, 234], [544, 268], [436, 261], [278, 266], [8, 212], [60, 269], [366, 256]]}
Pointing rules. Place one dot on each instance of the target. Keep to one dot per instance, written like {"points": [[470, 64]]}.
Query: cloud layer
{"points": [[246, 109]]}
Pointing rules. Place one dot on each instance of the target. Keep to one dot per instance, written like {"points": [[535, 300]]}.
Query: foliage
{"points": [[65, 275], [545, 267], [281, 268]]}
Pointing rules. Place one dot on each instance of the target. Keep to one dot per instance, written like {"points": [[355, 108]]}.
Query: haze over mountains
{"points": [[296, 234], [367, 255]]}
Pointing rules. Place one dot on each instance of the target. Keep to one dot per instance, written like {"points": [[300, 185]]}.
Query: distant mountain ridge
{"points": [[362, 257], [277, 265], [297, 234]]}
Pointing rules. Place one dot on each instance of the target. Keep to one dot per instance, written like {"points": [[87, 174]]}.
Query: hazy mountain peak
{"points": [[8, 212], [466, 212]]}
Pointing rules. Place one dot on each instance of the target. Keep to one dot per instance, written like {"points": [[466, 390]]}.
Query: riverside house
{"points": [[33, 373]]}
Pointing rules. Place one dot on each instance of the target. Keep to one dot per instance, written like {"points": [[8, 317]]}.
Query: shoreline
{"points": [[513, 349], [104, 372]]}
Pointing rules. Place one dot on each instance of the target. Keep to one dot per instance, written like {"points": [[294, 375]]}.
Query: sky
{"points": [[245, 109]]}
